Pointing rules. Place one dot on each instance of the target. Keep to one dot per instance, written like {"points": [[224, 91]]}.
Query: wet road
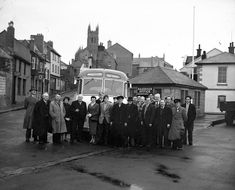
{"points": [[207, 165]]}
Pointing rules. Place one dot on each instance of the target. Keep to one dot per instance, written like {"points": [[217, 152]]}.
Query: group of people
{"points": [[144, 122]]}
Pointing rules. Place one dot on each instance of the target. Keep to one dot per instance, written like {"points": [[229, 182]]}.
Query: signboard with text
{"points": [[144, 91]]}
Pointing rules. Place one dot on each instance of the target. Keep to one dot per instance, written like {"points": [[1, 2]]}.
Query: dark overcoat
{"points": [[162, 118], [191, 113], [147, 116], [29, 105], [132, 118], [119, 117], [41, 118], [81, 114]]}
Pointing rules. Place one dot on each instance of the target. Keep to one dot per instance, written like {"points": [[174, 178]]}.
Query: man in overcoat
{"points": [[118, 121], [148, 121], [191, 115], [29, 104], [78, 113], [163, 119], [132, 119], [41, 118]]}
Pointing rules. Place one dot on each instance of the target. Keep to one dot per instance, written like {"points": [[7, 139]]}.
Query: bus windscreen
{"points": [[92, 86], [113, 87]]}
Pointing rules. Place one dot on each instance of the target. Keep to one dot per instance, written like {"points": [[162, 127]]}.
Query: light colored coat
{"points": [[178, 118], [105, 113], [57, 112]]}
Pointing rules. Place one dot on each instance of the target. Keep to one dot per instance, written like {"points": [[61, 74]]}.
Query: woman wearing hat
{"points": [[93, 115], [118, 122], [29, 105], [177, 127]]}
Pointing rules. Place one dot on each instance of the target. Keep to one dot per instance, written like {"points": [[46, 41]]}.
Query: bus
{"points": [[93, 81]]}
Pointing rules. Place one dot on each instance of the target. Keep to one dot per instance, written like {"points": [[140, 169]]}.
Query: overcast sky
{"points": [[148, 27]]}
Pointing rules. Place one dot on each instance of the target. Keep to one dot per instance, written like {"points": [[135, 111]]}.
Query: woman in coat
{"points": [[57, 113], [93, 115], [177, 126], [29, 105]]}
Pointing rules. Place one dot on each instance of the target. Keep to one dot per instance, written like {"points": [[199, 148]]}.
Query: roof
{"points": [[150, 62], [117, 44], [163, 75], [3, 54], [52, 49], [224, 57]]}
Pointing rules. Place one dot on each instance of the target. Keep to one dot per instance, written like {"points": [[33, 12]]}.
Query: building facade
{"points": [[21, 70], [123, 58], [218, 74], [54, 58], [6, 65]]}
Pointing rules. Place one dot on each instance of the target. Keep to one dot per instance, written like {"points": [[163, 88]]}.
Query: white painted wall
{"points": [[210, 76], [211, 99], [210, 79]]}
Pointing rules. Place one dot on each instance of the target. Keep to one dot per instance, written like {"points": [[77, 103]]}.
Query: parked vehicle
{"points": [[229, 108]]}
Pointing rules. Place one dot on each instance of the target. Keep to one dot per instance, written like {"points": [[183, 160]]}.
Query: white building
{"points": [[54, 57], [189, 68], [218, 74]]}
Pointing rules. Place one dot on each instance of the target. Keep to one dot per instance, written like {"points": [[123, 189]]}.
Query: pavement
{"points": [[208, 162]]}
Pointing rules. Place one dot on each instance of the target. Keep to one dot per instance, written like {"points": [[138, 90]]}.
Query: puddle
{"points": [[163, 170], [186, 158], [106, 178]]}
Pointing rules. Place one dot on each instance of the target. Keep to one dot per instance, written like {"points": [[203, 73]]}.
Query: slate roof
{"points": [[3, 54], [118, 45], [166, 76], [224, 57]]}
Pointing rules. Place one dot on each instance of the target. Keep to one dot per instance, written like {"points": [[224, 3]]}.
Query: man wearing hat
{"points": [[118, 121], [29, 104], [132, 119]]}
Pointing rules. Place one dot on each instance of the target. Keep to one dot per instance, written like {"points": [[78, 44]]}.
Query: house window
{"points": [[221, 98], [19, 69], [24, 68], [33, 63], [24, 87], [197, 96], [18, 86], [222, 74], [53, 68], [184, 93]]}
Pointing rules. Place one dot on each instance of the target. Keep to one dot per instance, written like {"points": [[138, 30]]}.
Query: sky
{"points": [[145, 27]]}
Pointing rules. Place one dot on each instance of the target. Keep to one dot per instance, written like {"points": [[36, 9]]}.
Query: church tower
{"points": [[93, 41]]}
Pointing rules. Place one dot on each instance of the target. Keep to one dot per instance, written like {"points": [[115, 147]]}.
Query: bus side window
{"points": [[125, 89], [79, 86]]}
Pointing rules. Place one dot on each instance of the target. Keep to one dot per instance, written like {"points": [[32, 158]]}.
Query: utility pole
{"points": [[193, 41]]}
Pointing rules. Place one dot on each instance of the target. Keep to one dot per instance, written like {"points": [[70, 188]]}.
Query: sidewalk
{"points": [[13, 107]]}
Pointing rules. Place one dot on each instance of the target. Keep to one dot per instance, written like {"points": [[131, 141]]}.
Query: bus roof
{"points": [[99, 72]]}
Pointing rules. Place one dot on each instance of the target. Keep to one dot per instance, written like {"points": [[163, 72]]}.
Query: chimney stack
{"points": [[39, 41], [10, 35], [231, 48], [204, 55], [109, 44], [50, 43], [199, 51]]}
